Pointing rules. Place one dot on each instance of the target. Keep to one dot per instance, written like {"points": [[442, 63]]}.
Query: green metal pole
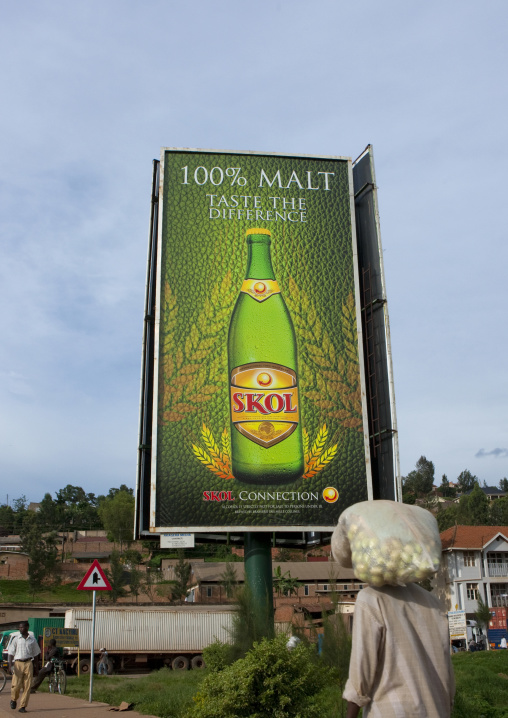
{"points": [[258, 577]]}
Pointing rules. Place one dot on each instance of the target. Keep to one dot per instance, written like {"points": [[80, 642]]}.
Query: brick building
{"points": [[13, 565]]}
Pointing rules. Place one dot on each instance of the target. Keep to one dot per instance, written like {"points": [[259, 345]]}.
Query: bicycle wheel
{"points": [[3, 679], [52, 684], [62, 681]]}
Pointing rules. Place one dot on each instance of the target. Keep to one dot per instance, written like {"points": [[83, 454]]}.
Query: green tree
{"points": [[229, 579], [503, 484], [474, 509], [50, 514], [284, 554], [499, 512], [251, 622], [447, 517], [117, 577], [20, 508], [284, 583], [446, 490], [466, 481], [150, 583], [135, 582], [182, 570], [483, 616], [132, 557], [117, 516], [7, 520], [43, 565], [421, 480], [336, 646], [77, 509]]}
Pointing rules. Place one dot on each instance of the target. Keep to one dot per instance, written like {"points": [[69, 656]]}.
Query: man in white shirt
{"points": [[23, 648]]}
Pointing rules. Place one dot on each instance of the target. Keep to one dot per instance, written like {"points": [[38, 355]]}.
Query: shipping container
{"points": [[149, 636]]}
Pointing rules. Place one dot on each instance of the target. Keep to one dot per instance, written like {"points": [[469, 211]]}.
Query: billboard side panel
{"points": [[157, 320], [361, 349], [143, 470], [377, 348]]}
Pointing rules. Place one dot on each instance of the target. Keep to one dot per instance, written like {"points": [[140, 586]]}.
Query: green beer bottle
{"points": [[266, 429]]}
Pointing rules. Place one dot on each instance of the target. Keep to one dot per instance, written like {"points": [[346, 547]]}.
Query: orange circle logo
{"points": [[264, 379], [259, 287], [330, 495]]}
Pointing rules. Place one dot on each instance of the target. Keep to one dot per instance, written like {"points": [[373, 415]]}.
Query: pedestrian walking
{"points": [[400, 659], [102, 667], [23, 648]]}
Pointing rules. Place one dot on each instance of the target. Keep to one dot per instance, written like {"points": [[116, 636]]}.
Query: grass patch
{"points": [[481, 691], [19, 592], [163, 693]]}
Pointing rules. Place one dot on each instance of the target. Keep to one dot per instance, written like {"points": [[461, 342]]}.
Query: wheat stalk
{"points": [[317, 447], [226, 446], [332, 380], [214, 461], [186, 381], [320, 464]]}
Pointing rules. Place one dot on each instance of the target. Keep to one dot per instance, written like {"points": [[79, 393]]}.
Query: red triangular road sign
{"points": [[95, 579]]}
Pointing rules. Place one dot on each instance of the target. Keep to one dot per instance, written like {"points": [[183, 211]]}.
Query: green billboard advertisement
{"points": [[259, 415]]}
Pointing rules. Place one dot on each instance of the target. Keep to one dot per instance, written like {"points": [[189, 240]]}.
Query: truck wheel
{"points": [[180, 663], [84, 667], [198, 662]]}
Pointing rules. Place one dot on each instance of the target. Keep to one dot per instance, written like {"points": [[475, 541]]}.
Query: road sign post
{"points": [[94, 580]]}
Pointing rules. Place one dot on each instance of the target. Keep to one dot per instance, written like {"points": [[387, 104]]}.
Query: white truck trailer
{"points": [[148, 637]]}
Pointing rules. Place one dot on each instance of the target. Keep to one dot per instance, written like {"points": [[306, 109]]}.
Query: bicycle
{"points": [[3, 678], [57, 678]]}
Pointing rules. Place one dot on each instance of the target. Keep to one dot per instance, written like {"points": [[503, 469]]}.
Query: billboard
{"points": [[259, 416]]}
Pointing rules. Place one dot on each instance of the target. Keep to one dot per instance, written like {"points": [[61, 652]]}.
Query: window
{"points": [[469, 558], [325, 587], [345, 587], [472, 591], [209, 591], [306, 590], [499, 589]]}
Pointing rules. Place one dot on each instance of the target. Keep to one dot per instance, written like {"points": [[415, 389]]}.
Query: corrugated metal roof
{"points": [[301, 570]]}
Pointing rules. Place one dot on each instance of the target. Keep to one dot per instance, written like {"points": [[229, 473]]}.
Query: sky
{"points": [[91, 91]]}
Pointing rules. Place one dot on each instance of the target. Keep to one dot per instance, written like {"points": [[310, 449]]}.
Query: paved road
{"points": [[47, 705]]}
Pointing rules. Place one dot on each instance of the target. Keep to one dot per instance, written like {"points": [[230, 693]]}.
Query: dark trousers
{"points": [[42, 675]]}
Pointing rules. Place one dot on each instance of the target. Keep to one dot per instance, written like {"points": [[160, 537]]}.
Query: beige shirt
{"points": [[400, 661], [23, 648]]}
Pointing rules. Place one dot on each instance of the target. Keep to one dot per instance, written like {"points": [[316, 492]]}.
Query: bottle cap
{"points": [[258, 230]]}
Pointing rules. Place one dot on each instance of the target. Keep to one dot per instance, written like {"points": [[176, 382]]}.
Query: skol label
{"points": [[260, 290], [264, 402]]}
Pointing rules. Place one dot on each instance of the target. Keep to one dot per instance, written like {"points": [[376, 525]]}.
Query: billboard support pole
{"points": [[258, 577]]}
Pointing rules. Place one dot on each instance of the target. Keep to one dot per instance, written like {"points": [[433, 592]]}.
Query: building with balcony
{"points": [[474, 564]]}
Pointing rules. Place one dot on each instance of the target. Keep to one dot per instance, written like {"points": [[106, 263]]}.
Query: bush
{"points": [[217, 656], [270, 682]]}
